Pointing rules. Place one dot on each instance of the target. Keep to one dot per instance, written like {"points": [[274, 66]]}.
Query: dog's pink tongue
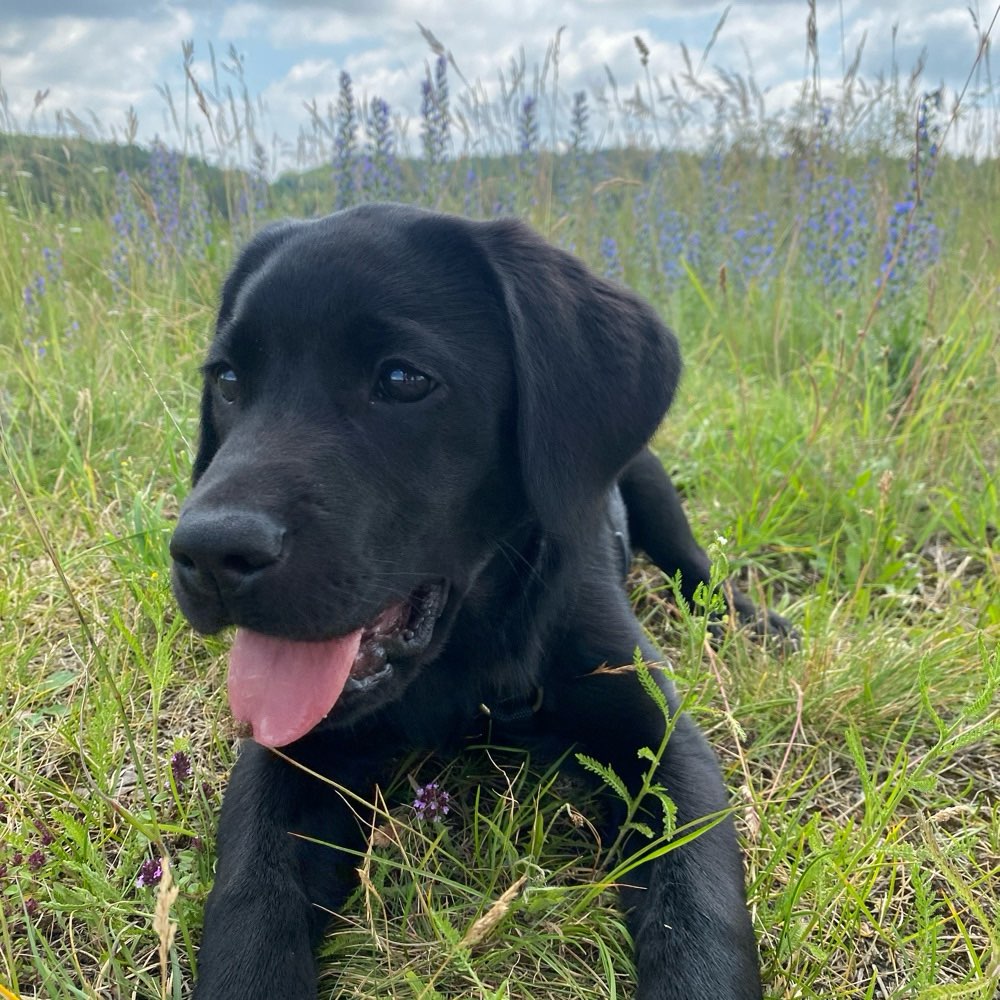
{"points": [[284, 688]]}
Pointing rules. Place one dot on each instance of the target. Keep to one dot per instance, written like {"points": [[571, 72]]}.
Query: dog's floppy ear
{"points": [[596, 369], [250, 260]]}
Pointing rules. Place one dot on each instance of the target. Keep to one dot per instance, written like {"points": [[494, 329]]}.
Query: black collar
{"points": [[510, 710]]}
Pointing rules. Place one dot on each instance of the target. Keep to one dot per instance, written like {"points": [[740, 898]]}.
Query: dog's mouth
{"points": [[282, 688]]}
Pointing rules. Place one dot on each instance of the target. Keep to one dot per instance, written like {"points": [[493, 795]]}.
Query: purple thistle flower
{"points": [[431, 802], [150, 873]]}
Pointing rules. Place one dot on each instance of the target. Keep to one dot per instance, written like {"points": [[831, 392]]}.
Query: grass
{"points": [[837, 444]]}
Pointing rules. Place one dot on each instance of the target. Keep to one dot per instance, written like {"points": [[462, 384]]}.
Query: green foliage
{"points": [[635, 800]]}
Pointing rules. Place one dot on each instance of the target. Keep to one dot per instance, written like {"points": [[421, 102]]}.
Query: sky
{"points": [[99, 58]]}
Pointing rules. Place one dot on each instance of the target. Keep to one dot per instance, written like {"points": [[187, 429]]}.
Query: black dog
{"points": [[412, 430]]}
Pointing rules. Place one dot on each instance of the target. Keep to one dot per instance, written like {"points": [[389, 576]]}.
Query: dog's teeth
{"points": [[363, 683]]}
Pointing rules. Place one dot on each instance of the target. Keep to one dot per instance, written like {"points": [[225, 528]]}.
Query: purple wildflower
{"points": [[32, 294], [180, 765], [36, 346], [31, 907], [473, 197], [36, 859], [181, 211], [435, 127], [612, 260], [345, 144], [150, 873], [380, 171], [836, 227], [53, 262], [133, 230], [755, 245], [174, 217], [431, 802], [913, 243]]}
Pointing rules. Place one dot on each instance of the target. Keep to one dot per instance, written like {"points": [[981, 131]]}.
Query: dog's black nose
{"points": [[225, 546]]}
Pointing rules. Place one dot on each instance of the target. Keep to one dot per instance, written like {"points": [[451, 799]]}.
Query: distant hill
{"points": [[77, 175]]}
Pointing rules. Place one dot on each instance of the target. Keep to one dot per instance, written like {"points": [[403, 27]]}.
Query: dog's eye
{"points": [[401, 384], [227, 383]]}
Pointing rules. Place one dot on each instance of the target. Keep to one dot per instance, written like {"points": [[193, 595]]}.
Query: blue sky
{"points": [[97, 58]]}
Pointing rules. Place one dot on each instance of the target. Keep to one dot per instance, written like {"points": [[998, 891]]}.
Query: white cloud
{"points": [[95, 67], [108, 56], [289, 29], [240, 20]]}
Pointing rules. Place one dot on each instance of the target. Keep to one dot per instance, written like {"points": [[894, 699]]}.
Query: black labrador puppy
{"points": [[414, 430]]}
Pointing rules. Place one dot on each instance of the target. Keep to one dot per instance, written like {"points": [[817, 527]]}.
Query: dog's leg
{"points": [[686, 909], [658, 525], [273, 889]]}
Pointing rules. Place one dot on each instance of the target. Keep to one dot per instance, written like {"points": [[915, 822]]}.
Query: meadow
{"points": [[833, 274]]}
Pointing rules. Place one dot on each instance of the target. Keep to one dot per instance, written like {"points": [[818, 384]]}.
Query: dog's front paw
{"points": [[255, 948], [248, 977], [761, 624], [774, 631]]}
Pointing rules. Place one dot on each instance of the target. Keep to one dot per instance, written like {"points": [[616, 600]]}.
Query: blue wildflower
{"points": [[612, 263], [380, 178]]}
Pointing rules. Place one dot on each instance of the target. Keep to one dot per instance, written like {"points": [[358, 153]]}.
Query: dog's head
{"points": [[392, 399]]}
